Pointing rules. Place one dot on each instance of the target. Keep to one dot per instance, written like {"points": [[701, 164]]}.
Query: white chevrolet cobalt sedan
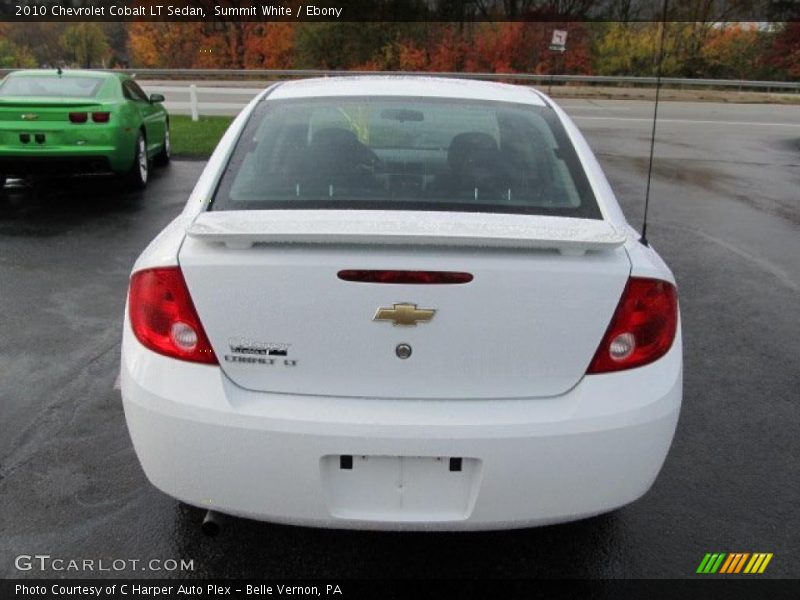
{"points": [[402, 303]]}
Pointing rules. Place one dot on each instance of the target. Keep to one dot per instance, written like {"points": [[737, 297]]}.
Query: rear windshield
{"points": [[405, 154], [61, 87]]}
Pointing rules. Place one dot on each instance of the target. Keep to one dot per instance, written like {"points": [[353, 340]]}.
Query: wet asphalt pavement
{"points": [[725, 216]]}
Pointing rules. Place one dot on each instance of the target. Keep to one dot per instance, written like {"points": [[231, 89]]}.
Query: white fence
{"points": [[273, 74], [225, 91]]}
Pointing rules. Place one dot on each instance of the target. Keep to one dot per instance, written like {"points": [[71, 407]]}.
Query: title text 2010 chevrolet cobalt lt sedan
{"points": [[402, 303]]}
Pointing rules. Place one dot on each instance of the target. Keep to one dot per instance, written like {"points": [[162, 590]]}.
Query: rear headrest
{"points": [[469, 147]]}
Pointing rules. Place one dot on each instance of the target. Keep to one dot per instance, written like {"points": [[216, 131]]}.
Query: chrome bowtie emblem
{"points": [[29, 117]]}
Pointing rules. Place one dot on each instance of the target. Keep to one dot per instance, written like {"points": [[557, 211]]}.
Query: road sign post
{"points": [[558, 43]]}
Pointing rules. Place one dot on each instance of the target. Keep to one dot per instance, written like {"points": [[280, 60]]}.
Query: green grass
{"points": [[196, 139]]}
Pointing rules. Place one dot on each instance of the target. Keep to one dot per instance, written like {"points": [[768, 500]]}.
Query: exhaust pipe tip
{"points": [[212, 524]]}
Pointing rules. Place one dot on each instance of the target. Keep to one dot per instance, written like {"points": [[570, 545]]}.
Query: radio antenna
{"points": [[643, 239]]}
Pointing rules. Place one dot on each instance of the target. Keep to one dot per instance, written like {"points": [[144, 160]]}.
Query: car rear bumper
{"points": [[54, 164], [103, 149], [276, 457]]}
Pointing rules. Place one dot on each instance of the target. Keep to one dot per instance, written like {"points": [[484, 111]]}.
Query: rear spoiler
{"points": [[242, 229], [47, 102]]}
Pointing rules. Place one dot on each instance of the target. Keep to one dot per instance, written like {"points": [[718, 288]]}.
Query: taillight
{"points": [[405, 277], [163, 316], [78, 117], [642, 329], [101, 117]]}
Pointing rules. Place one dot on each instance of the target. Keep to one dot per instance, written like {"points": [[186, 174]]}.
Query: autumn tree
{"points": [[14, 57], [11, 55], [165, 45], [269, 45], [42, 40], [694, 24], [633, 49], [411, 57], [784, 54], [117, 35], [499, 47], [735, 51], [229, 42], [350, 45], [85, 44], [447, 48], [224, 44], [615, 48], [217, 45]]}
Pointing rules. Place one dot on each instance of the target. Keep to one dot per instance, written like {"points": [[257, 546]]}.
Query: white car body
{"points": [[497, 378]]}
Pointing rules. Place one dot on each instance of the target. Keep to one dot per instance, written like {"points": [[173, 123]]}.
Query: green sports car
{"points": [[54, 121]]}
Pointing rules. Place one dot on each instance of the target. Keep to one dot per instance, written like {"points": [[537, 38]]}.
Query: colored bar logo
{"points": [[734, 562]]}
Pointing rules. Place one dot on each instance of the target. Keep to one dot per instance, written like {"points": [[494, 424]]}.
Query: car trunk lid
{"points": [[31, 124], [266, 286], [30, 111]]}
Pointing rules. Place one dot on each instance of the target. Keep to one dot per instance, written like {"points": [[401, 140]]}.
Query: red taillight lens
{"points": [[101, 117], [407, 277], [163, 316], [642, 329], [78, 117]]}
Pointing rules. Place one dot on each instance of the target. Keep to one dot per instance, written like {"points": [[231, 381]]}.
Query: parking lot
{"points": [[725, 214]]}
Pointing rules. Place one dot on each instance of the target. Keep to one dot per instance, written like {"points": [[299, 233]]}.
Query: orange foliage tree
{"points": [[447, 48], [733, 51], [269, 46], [502, 47], [785, 52], [240, 45], [165, 45]]}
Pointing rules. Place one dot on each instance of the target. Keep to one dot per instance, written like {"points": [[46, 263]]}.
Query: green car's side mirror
{"points": [[157, 98]]}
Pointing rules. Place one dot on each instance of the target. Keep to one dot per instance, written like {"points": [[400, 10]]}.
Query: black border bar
{"points": [[461, 11]]}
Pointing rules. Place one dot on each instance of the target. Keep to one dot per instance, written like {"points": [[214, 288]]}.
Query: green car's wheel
{"points": [[140, 169], [163, 156]]}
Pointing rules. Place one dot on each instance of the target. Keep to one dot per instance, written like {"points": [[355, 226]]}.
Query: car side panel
{"points": [[129, 123], [152, 117], [155, 124]]}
